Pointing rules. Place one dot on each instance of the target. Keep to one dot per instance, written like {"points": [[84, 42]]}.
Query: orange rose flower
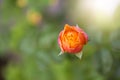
{"points": [[72, 39]]}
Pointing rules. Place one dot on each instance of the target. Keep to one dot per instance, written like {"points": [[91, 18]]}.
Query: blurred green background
{"points": [[28, 39]]}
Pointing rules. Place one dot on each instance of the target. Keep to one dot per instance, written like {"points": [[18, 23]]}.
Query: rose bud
{"points": [[71, 40]]}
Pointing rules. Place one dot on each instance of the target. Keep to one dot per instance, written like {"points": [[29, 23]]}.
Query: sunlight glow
{"points": [[99, 12], [101, 7], [106, 7]]}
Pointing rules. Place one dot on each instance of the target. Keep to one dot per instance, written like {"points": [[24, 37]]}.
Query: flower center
{"points": [[70, 36], [72, 39]]}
